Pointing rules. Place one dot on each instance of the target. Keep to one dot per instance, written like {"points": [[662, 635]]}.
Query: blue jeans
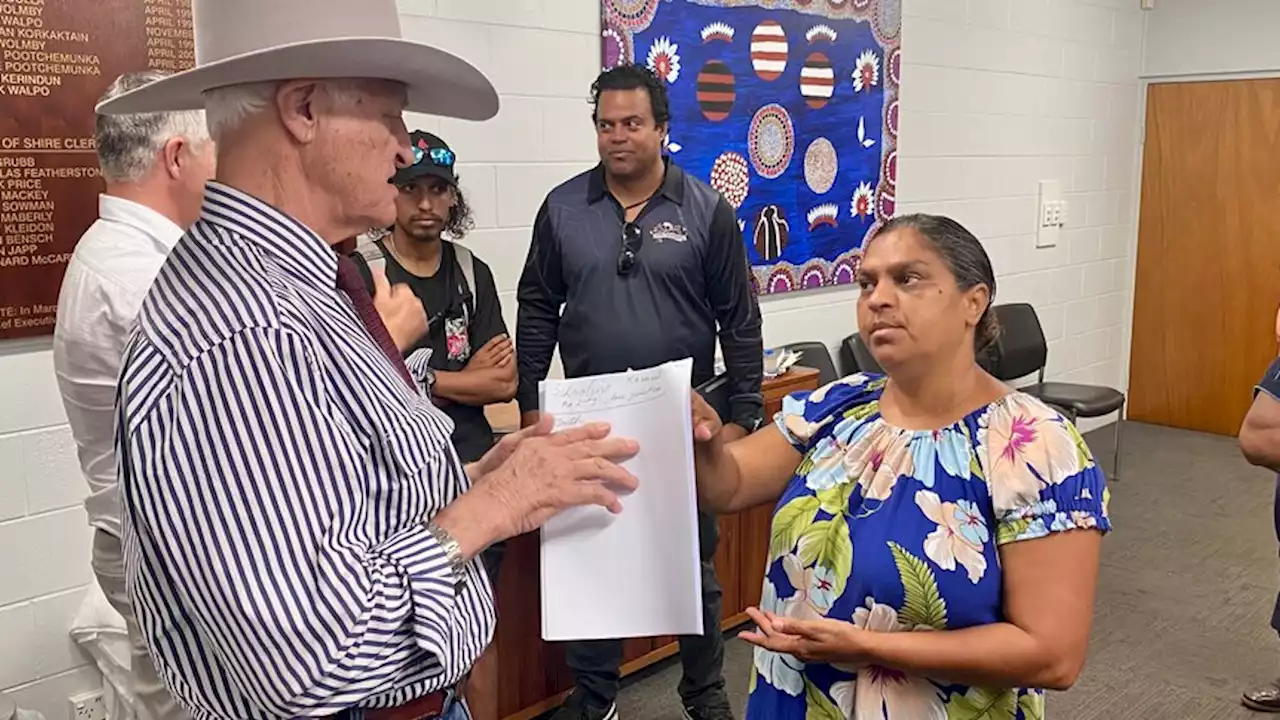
{"points": [[455, 709]]}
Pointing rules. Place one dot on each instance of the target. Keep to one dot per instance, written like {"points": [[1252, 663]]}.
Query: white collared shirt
{"points": [[106, 281]]}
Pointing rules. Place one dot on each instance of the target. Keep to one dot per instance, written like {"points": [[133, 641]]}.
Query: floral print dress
{"points": [[898, 530]]}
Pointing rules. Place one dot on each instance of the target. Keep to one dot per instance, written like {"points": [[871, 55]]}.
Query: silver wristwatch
{"points": [[452, 551]]}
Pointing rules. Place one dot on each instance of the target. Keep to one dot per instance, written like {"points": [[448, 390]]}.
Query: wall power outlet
{"points": [[88, 706]]}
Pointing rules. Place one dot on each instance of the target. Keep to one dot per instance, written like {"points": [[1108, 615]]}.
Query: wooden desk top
{"points": [[796, 378], [505, 417]]}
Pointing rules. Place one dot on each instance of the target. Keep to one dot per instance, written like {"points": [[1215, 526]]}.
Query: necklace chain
{"points": [[652, 195], [395, 253]]}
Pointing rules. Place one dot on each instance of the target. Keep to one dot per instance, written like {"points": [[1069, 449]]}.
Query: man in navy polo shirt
{"points": [[648, 264]]}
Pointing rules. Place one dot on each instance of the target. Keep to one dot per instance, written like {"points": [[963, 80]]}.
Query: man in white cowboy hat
{"points": [[300, 536]]}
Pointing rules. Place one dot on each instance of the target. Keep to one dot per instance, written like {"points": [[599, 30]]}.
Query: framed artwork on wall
{"points": [[789, 108]]}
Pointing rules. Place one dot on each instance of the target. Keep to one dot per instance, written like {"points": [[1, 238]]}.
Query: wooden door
{"points": [[1208, 265]]}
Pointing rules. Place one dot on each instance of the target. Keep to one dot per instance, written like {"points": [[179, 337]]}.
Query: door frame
{"points": [[1145, 81]]}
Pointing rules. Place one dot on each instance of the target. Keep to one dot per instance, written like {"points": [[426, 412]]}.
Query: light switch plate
{"points": [[1050, 214]]}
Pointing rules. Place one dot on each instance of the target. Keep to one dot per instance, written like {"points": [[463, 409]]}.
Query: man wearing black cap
{"points": [[472, 358]]}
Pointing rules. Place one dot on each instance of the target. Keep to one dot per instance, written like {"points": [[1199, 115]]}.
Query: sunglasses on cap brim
{"points": [[440, 157]]}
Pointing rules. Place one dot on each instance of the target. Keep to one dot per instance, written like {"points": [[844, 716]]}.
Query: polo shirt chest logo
{"points": [[667, 230]]}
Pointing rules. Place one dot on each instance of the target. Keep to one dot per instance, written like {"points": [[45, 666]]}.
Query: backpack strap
{"points": [[374, 254], [466, 261], [370, 257]]}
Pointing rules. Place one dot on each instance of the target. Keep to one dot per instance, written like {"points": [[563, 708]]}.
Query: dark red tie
{"points": [[351, 283]]}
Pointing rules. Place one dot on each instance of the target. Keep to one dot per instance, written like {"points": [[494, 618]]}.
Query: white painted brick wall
{"points": [[44, 539], [999, 94]]}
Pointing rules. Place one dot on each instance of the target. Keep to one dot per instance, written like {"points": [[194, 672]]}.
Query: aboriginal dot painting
{"points": [[789, 108]]}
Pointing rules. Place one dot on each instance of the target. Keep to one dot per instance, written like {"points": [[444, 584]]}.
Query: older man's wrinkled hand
{"points": [[506, 447], [547, 473]]}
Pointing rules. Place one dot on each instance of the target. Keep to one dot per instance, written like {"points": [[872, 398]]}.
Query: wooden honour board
{"points": [[56, 59]]}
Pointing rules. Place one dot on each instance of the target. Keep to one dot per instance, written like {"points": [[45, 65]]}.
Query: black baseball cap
{"points": [[431, 158]]}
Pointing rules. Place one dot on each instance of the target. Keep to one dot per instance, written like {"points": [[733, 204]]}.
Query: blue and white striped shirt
{"points": [[275, 474]]}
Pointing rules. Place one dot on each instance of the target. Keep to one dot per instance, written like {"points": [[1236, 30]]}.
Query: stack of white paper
{"points": [[636, 574]]}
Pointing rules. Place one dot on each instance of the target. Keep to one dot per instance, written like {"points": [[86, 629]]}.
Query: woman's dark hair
{"points": [[460, 220], [965, 258], [631, 77]]}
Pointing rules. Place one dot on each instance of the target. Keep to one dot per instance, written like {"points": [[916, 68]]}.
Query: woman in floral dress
{"points": [[934, 547]]}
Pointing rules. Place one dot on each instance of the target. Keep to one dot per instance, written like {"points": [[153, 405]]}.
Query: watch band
{"points": [[452, 551]]}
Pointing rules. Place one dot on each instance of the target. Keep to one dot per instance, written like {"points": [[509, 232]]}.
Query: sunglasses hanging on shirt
{"points": [[632, 239], [633, 236]]}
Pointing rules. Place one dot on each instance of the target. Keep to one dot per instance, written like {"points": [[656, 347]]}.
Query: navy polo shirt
{"points": [[691, 283]]}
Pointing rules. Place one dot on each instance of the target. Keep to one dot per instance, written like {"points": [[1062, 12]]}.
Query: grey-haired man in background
{"points": [[155, 166]]}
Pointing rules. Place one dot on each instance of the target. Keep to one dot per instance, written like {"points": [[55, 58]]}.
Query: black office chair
{"points": [[857, 356], [1021, 350], [817, 356], [845, 361]]}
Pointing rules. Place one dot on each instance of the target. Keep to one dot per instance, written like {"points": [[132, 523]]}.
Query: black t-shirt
{"points": [[459, 326]]}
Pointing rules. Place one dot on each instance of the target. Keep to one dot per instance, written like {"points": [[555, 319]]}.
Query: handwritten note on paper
{"points": [[636, 574]]}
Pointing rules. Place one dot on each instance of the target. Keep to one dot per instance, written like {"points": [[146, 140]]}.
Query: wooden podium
{"points": [[532, 676]]}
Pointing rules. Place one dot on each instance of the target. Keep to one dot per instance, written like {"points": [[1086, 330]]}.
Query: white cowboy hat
{"points": [[246, 41]]}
